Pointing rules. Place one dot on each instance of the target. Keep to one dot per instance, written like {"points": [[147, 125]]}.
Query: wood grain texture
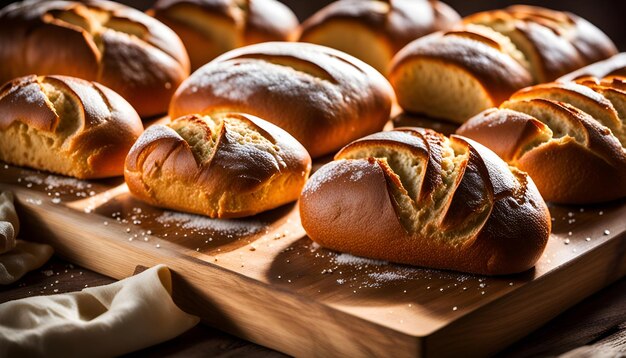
{"points": [[594, 325], [263, 280]]}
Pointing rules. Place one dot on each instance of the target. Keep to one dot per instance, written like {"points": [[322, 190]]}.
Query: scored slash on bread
{"points": [[374, 31], [456, 74], [321, 96], [66, 125], [120, 47], [414, 196], [209, 28], [569, 137], [554, 42], [223, 165]]}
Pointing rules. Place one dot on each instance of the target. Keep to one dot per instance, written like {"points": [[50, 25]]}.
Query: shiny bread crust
{"points": [[493, 220], [245, 22], [489, 56], [66, 125], [395, 22], [110, 43], [549, 131], [238, 166], [321, 96]]}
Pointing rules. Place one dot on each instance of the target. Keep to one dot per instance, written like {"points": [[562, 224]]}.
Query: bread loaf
{"points": [[554, 42], [66, 125], [321, 96], [223, 165], [115, 45], [457, 74], [613, 66], [416, 197], [374, 31], [569, 137], [209, 28]]}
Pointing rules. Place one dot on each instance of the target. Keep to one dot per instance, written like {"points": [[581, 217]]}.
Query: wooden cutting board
{"points": [[263, 280]]}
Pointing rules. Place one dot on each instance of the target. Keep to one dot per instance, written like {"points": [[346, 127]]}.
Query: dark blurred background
{"points": [[608, 15]]}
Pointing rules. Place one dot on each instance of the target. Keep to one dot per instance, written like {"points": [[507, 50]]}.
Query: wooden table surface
{"points": [[594, 327]]}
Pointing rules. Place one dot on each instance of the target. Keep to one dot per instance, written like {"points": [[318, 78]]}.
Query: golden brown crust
{"points": [[455, 74], [459, 73], [554, 42], [229, 165], [395, 22], [323, 97], [122, 48], [498, 72], [210, 28], [66, 125], [494, 221], [504, 131], [615, 65], [574, 158]]}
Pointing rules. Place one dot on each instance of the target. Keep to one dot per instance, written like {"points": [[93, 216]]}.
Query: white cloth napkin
{"points": [[104, 321], [9, 224], [25, 257], [17, 257]]}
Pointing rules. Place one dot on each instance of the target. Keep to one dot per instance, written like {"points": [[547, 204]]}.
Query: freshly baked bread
{"points": [[373, 30], [122, 48], [223, 165], [613, 66], [66, 125], [569, 137], [416, 197], [554, 42], [457, 74], [323, 97], [209, 28]]}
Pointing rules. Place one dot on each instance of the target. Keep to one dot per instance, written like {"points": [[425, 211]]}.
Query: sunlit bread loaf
{"points": [[613, 66], [416, 197], [553, 42], [223, 165], [66, 125], [120, 47], [209, 28], [374, 31], [457, 74], [323, 97], [569, 137]]}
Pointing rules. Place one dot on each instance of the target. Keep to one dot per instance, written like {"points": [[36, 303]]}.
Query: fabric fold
{"points": [[9, 223], [110, 320]]}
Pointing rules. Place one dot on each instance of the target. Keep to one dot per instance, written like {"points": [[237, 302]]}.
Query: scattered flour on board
{"points": [[386, 276], [347, 259], [197, 222], [53, 181]]}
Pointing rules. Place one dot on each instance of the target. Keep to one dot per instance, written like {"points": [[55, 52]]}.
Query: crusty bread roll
{"points": [[414, 196], [613, 66], [569, 137], [554, 42], [209, 28], [66, 125], [323, 97], [223, 165], [457, 74], [374, 31], [122, 48]]}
